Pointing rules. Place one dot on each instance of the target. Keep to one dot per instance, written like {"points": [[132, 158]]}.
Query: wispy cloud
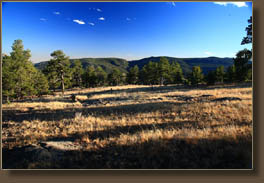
{"points": [[98, 9], [79, 22], [56, 13], [43, 19], [128, 19], [90, 23], [101, 18], [171, 3], [238, 4], [208, 53]]}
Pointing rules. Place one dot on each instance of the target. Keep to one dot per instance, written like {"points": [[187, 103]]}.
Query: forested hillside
{"points": [[108, 64]]}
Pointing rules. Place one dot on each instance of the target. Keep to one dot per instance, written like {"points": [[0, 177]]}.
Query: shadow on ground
{"points": [[175, 153], [165, 89], [153, 154], [69, 113]]}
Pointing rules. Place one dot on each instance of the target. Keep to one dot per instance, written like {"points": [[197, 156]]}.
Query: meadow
{"points": [[131, 127]]}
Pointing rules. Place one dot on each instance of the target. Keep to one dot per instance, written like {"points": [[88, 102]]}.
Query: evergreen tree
{"points": [[133, 75], [40, 83], [52, 77], [176, 73], [123, 78], [77, 72], [231, 74], [211, 78], [149, 74], [196, 76], [248, 38], [219, 74], [20, 77], [89, 77], [58, 70], [115, 77], [8, 78], [101, 76], [242, 64], [163, 71]]}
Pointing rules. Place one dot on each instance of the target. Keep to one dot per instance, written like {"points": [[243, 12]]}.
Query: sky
{"points": [[129, 30]]}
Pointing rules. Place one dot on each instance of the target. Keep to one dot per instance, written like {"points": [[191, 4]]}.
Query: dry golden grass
{"points": [[142, 126]]}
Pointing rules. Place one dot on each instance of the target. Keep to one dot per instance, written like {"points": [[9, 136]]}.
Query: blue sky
{"points": [[126, 30]]}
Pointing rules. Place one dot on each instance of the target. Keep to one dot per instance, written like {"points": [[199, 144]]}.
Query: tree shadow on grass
{"points": [[189, 153], [69, 113], [157, 153], [169, 88], [134, 129]]}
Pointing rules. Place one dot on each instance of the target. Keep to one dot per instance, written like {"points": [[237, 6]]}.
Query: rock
{"points": [[61, 145], [37, 153]]}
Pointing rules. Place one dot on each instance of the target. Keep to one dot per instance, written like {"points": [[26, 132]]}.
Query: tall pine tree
{"points": [[163, 71], [58, 70], [77, 72], [20, 77], [133, 75], [196, 76]]}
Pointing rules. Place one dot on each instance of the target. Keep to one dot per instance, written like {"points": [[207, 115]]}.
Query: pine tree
{"points": [[8, 78], [163, 71], [176, 73], [77, 72], [58, 70], [101, 76], [89, 77], [242, 64], [196, 76], [115, 77], [40, 83], [219, 74], [149, 73], [231, 74], [20, 77], [248, 38], [133, 75], [211, 78]]}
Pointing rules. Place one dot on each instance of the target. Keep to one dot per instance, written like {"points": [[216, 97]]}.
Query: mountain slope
{"points": [[207, 64], [108, 64]]}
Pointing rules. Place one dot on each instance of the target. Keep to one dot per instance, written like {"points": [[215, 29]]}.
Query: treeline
{"points": [[21, 78]]}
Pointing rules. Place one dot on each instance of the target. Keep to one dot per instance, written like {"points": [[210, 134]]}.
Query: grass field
{"points": [[131, 127]]}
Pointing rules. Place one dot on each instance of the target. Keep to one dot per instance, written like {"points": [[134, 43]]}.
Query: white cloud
{"points": [[98, 10], [171, 3], [101, 18], [56, 13], [238, 4], [79, 22], [90, 23], [43, 19], [128, 19], [208, 53]]}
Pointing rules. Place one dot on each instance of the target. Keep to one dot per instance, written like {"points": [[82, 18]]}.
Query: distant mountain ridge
{"points": [[108, 64]]}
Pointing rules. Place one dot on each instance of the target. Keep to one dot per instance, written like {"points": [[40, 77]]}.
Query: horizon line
{"points": [[129, 60]]}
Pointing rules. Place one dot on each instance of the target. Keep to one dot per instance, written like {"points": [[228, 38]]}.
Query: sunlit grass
{"points": [[141, 117]]}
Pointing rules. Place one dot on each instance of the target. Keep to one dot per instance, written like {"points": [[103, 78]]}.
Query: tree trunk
{"points": [[62, 84]]}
